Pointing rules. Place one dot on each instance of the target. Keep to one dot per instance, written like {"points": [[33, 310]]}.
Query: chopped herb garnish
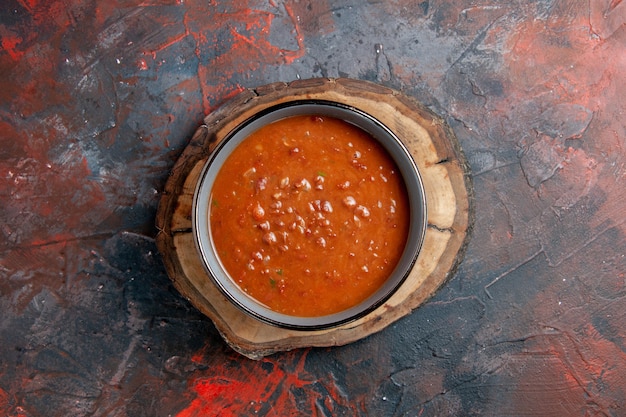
{"points": [[321, 173], [279, 271], [272, 282]]}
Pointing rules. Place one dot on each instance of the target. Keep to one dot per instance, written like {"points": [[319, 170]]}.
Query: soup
{"points": [[309, 215]]}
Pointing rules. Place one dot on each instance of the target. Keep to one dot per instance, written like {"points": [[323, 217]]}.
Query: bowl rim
{"points": [[379, 132]]}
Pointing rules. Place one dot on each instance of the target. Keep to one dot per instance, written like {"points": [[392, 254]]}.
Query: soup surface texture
{"points": [[309, 215]]}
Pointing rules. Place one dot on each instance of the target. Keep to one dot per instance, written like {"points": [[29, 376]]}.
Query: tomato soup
{"points": [[309, 215]]}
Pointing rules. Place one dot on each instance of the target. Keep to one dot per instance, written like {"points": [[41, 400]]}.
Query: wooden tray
{"points": [[448, 196]]}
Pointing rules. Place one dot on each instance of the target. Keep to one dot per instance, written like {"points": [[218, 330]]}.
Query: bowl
{"points": [[205, 203]]}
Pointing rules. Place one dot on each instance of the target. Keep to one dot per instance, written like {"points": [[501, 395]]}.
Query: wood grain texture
{"points": [[448, 198]]}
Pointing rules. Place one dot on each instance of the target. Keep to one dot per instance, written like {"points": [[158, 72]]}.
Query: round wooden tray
{"points": [[448, 197]]}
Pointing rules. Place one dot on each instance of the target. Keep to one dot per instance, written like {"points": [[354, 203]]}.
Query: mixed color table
{"points": [[98, 100]]}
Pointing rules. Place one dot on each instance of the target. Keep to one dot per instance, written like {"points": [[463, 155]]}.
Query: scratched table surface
{"points": [[98, 99]]}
